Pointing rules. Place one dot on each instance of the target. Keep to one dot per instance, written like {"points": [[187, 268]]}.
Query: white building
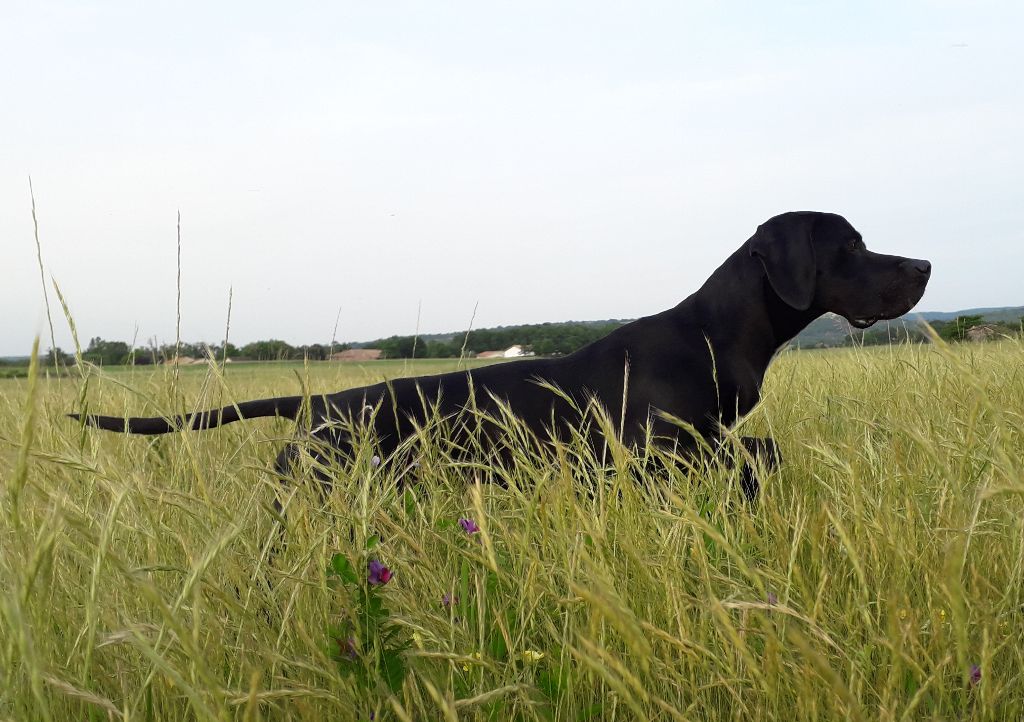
{"points": [[515, 351]]}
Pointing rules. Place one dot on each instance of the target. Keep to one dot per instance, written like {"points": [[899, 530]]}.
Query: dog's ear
{"points": [[785, 247]]}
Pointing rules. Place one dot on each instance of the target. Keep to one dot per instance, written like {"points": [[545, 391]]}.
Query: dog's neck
{"points": [[746, 310], [786, 321]]}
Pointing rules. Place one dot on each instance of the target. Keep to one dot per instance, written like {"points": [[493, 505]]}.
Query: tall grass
{"points": [[879, 577]]}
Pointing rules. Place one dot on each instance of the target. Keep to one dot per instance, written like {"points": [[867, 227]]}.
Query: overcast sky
{"points": [[552, 161]]}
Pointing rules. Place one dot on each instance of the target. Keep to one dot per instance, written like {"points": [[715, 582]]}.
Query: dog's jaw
{"points": [[862, 323]]}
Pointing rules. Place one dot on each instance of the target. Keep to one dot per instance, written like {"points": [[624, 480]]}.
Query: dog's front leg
{"points": [[766, 455], [762, 451]]}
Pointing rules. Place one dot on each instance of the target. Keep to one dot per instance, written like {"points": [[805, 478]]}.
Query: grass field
{"points": [[880, 577]]}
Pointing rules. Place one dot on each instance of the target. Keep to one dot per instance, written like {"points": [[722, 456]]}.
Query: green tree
{"points": [[269, 350], [956, 330], [62, 358], [106, 353], [313, 352], [396, 346], [218, 350]]}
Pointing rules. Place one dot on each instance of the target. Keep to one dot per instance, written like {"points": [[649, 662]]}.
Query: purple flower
{"points": [[772, 599], [347, 648], [379, 574], [469, 526], [375, 460], [975, 674], [447, 600]]}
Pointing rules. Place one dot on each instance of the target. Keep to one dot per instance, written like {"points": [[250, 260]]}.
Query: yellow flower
{"points": [[531, 656], [942, 616], [475, 657], [903, 614]]}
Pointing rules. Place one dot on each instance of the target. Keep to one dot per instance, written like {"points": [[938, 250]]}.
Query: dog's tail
{"points": [[286, 406]]}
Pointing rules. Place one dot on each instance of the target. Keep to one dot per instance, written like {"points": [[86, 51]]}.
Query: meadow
{"points": [[880, 576]]}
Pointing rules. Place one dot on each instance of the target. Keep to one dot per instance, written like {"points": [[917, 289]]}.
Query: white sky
{"points": [[552, 161]]}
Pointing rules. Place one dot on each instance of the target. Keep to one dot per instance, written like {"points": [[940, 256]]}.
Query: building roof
{"points": [[358, 354]]}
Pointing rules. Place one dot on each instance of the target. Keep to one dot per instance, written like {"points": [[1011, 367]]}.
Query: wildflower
{"points": [[531, 656], [347, 648], [772, 599], [448, 600], [469, 526], [903, 614], [379, 574], [975, 674], [942, 616], [375, 460]]}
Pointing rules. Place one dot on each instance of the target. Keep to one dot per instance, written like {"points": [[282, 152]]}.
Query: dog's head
{"points": [[818, 261]]}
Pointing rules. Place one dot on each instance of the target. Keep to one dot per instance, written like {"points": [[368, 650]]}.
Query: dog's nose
{"points": [[917, 265]]}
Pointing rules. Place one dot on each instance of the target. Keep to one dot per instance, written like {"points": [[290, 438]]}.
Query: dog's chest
{"points": [[739, 393]]}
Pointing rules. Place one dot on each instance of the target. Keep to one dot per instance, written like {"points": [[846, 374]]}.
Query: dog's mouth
{"points": [[894, 305], [862, 323]]}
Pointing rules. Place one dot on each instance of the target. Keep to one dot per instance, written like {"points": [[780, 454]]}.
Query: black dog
{"points": [[701, 362]]}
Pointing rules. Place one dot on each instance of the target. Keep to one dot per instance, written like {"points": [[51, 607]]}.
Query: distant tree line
{"points": [[118, 353], [545, 339]]}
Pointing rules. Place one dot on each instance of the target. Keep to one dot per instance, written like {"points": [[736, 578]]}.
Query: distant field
{"points": [[880, 577]]}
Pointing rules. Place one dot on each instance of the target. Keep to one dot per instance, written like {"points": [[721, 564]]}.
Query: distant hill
{"points": [[832, 330], [1003, 313], [829, 330]]}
